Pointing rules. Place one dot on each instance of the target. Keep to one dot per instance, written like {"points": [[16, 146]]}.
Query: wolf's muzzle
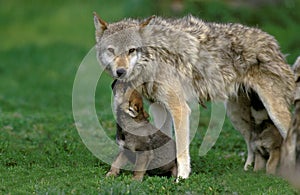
{"points": [[121, 72]]}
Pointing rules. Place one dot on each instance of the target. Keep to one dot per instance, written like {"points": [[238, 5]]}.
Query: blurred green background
{"points": [[42, 43]]}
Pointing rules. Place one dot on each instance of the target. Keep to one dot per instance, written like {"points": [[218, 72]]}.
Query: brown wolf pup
{"points": [[135, 135], [266, 146], [265, 138], [173, 61], [290, 158]]}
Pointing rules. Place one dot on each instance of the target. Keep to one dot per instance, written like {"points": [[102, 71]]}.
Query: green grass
{"points": [[42, 45]]}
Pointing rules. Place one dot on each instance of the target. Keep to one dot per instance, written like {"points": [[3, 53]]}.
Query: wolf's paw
{"points": [[247, 166], [111, 174], [183, 171]]}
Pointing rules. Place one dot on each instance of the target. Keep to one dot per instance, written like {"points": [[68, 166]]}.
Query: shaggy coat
{"points": [[290, 158], [173, 61]]}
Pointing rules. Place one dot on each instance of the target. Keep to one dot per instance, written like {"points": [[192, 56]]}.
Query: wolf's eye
{"points": [[111, 50], [131, 50]]}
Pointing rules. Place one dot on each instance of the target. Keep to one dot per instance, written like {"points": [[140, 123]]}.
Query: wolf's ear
{"points": [[100, 25], [147, 21]]}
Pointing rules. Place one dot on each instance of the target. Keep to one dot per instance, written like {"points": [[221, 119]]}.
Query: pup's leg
{"points": [[239, 112], [174, 171], [162, 118], [273, 161], [120, 161], [260, 162], [143, 160], [180, 113]]}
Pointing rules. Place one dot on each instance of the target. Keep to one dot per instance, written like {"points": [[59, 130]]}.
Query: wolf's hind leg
{"points": [[239, 112]]}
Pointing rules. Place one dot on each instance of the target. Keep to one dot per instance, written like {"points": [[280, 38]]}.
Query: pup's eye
{"points": [[111, 50], [131, 50]]}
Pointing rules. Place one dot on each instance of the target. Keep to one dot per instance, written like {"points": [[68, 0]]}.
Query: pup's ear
{"points": [[100, 26], [147, 21]]}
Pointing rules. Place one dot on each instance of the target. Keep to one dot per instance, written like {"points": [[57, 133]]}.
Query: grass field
{"points": [[42, 44]]}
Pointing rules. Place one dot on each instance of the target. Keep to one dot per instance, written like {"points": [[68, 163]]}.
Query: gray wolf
{"points": [[154, 150], [290, 156], [174, 61]]}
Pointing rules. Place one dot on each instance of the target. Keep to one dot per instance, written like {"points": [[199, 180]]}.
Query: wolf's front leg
{"points": [[162, 118], [180, 113]]}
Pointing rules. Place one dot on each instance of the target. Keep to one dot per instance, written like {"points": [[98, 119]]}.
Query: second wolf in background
{"points": [[290, 157]]}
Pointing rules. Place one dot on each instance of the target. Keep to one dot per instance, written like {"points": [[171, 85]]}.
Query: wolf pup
{"points": [[266, 146], [136, 135], [173, 61], [290, 158], [265, 138]]}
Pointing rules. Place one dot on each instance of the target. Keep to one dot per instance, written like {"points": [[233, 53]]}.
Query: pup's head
{"points": [[128, 100], [269, 139], [119, 46]]}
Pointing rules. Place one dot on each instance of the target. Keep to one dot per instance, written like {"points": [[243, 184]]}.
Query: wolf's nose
{"points": [[121, 72]]}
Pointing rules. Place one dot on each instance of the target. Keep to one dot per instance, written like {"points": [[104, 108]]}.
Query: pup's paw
{"points": [[138, 177]]}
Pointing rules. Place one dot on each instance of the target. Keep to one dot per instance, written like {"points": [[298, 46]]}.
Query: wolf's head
{"points": [[119, 46]]}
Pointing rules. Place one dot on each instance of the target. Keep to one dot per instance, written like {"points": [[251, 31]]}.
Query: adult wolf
{"points": [[174, 60]]}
